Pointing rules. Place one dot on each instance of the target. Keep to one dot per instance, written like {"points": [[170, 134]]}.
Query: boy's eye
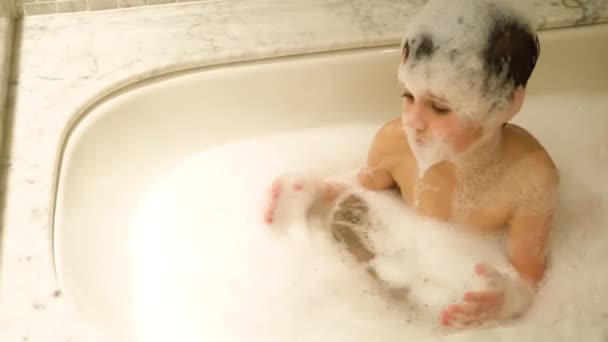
{"points": [[408, 96], [440, 110]]}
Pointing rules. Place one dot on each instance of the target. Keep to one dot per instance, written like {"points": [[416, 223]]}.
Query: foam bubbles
{"points": [[224, 275], [446, 42], [433, 152]]}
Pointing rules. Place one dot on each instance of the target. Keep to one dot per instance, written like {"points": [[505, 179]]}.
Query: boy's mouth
{"points": [[421, 139]]}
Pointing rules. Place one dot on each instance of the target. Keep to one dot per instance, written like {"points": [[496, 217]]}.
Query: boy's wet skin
{"points": [[519, 195], [453, 155]]}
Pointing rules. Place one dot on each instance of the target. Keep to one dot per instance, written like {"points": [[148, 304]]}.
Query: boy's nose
{"points": [[415, 119]]}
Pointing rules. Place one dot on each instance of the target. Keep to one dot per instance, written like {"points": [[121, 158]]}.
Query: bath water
{"points": [[208, 268]]}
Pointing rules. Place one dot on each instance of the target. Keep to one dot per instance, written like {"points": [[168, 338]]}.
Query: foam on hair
{"points": [[473, 53]]}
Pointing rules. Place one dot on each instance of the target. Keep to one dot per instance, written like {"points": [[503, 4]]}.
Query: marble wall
{"points": [[7, 23], [37, 7], [587, 8]]}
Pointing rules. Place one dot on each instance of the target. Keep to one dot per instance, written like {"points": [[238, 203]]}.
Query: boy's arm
{"points": [[527, 249], [527, 244], [530, 226], [376, 175]]}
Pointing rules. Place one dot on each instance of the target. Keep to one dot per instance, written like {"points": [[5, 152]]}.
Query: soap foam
{"points": [[433, 152], [446, 42], [209, 268]]}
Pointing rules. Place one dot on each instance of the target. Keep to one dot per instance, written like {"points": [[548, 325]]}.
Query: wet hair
{"points": [[512, 50], [470, 48]]}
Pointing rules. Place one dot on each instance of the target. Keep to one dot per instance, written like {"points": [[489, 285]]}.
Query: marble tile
{"points": [[71, 6], [7, 26], [68, 62], [40, 8], [556, 11], [159, 2], [98, 5], [132, 3]]}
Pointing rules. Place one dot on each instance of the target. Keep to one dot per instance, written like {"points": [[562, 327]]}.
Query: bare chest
{"points": [[483, 204]]}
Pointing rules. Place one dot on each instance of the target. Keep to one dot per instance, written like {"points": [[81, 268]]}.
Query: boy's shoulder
{"points": [[391, 138], [392, 131], [526, 154]]}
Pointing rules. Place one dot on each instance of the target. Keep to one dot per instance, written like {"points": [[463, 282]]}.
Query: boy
{"points": [[453, 155]]}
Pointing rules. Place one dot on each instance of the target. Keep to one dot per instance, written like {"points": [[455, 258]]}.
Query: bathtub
{"points": [[120, 147]]}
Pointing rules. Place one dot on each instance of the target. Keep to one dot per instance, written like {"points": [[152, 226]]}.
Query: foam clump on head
{"points": [[473, 53]]}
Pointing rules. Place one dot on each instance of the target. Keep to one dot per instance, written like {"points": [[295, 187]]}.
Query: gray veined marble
{"points": [[67, 62]]}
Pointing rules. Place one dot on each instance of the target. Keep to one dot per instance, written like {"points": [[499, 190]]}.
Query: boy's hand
{"points": [[290, 197], [480, 306]]}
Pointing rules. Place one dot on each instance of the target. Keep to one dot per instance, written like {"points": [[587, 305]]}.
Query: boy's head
{"points": [[464, 69]]}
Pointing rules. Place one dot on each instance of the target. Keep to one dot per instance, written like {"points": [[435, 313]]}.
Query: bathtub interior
{"points": [[123, 146]]}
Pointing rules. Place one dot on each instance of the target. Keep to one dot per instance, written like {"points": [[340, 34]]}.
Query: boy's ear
{"points": [[405, 51], [518, 100]]}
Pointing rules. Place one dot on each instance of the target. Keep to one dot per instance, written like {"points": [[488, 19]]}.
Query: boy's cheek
{"points": [[457, 137], [445, 131]]}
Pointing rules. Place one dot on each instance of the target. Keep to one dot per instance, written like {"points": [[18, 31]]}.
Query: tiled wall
{"points": [[7, 23], [37, 7]]}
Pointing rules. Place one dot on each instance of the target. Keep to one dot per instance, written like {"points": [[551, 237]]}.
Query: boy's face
{"points": [[429, 120]]}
